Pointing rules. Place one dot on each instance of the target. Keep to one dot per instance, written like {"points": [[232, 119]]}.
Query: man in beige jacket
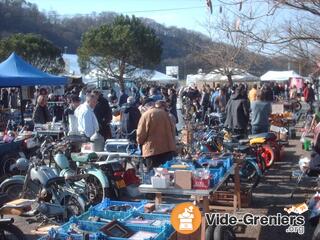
{"points": [[156, 135]]}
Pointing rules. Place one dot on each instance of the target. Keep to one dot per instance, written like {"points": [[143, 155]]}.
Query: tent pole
{"points": [[21, 106]]}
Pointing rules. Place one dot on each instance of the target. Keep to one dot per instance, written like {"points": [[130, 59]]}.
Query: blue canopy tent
{"points": [[15, 72]]}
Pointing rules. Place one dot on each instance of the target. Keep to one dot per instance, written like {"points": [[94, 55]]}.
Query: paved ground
{"points": [[269, 198]]}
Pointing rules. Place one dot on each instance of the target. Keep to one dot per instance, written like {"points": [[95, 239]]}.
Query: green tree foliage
{"points": [[115, 48], [36, 50]]}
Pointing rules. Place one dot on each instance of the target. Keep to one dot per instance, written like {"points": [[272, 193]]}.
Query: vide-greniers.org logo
{"points": [[295, 223]]}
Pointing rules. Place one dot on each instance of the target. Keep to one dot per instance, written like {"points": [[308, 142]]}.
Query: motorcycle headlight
{"points": [[21, 164]]}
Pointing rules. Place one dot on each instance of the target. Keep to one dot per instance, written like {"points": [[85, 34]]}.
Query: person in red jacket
{"points": [[309, 96]]}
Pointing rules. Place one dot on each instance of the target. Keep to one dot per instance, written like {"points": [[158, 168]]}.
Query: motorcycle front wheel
{"points": [[249, 174], [11, 232]]}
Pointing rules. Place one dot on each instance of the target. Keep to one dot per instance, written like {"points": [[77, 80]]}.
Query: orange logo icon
{"points": [[186, 218]]}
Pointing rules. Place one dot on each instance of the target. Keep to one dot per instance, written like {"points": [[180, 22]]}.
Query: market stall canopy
{"points": [[152, 76], [16, 72], [243, 77], [279, 76]]}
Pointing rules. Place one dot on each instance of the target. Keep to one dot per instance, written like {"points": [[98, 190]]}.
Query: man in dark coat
{"points": [[41, 113], [104, 115], [123, 98], [237, 111], [131, 116]]}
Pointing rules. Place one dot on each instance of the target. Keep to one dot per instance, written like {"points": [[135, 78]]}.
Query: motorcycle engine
{"points": [[45, 196]]}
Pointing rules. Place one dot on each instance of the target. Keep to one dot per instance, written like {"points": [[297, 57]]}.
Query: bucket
{"points": [[307, 145]]}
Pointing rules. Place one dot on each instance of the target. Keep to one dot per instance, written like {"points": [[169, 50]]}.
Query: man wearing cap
{"points": [[156, 135]]}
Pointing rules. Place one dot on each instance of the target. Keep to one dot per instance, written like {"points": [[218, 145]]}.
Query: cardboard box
{"points": [[183, 179]]}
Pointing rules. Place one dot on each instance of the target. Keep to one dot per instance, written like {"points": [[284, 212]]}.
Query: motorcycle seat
{"points": [[268, 136], [76, 178], [84, 157], [231, 146], [55, 180], [76, 139]]}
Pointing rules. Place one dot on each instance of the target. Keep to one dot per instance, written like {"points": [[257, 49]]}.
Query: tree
{"points": [[36, 50], [228, 52], [116, 49]]}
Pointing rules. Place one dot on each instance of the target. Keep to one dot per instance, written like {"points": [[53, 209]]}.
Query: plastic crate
{"points": [[165, 218], [135, 206], [63, 232], [162, 233], [110, 215], [168, 165], [217, 174], [169, 208]]}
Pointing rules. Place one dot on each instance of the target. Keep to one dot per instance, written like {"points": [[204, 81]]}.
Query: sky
{"points": [[189, 14]]}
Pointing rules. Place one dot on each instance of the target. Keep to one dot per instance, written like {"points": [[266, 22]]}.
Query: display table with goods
{"points": [[199, 183], [50, 129]]}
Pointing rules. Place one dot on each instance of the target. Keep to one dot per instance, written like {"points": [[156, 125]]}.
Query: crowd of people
{"points": [[149, 115]]}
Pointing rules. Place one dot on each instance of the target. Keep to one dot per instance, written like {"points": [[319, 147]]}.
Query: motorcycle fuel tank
{"points": [[62, 161], [42, 174]]}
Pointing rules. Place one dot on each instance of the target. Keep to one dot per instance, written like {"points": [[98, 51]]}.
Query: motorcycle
{"points": [[250, 171], [54, 196], [68, 164]]}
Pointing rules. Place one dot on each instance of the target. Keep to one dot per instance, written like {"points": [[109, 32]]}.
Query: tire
{"points": [[316, 233], [297, 106], [268, 155], [224, 233], [14, 233], [13, 190], [7, 161], [210, 233], [249, 174], [74, 207]]}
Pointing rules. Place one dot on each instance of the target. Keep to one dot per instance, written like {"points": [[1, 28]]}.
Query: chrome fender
{"points": [[12, 180], [98, 173]]}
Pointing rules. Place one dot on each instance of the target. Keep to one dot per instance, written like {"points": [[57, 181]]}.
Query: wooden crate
{"points": [[225, 198]]}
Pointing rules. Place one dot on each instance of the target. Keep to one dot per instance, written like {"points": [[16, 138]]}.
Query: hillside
{"points": [[178, 44]]}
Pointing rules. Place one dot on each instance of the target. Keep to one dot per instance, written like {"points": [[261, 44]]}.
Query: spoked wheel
{"points": [[95, 190], [11, 232], [267, 155], [249, 174]]}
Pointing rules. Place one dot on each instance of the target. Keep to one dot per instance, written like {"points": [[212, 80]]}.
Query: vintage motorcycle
{"points": [[55, 198]]}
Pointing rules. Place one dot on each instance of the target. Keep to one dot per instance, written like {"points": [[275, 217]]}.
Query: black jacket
{"points": [[104, 116], [237, 112], [41, 115], [133, 117]]}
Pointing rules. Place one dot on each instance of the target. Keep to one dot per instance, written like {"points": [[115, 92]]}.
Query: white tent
{"points": [[194, 78], [243, 77], [71, 64], [279, 76]]}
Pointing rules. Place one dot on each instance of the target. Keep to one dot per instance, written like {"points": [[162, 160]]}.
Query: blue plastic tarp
{"points": [[15, 72]]}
